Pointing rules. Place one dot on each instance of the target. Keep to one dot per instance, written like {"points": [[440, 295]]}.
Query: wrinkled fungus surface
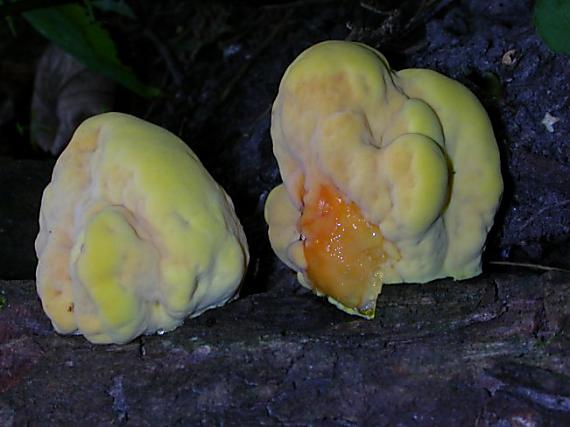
{"points": [[135, 235], [387, 176]]}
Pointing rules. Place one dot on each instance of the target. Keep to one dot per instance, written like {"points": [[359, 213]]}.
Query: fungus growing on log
{"points": [[388, 176], [135, 235]]}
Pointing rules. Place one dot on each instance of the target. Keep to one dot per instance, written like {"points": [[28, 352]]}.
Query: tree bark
{"points": [[489, 351]]}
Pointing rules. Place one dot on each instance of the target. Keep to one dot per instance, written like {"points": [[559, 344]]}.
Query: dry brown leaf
{"points": [[65, 93]]}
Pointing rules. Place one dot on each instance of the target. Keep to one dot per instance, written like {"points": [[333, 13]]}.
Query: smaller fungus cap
{"points": [[135, 235]]}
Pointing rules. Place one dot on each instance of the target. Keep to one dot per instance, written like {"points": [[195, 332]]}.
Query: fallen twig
{"points": [[241, 72], [167, 56], [529, 265], [544, 209]]}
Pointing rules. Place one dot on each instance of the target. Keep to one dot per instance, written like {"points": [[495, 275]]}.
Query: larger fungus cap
{"points": [[135, 235], [387, 176]]}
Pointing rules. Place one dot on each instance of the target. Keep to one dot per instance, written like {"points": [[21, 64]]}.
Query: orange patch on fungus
{"points": [[343, 250]]}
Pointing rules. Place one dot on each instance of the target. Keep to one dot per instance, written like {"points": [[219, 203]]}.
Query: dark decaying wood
{"points": [[489, 351]]}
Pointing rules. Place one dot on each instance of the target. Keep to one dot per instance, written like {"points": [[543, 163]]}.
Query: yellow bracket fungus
{"points": [[135, 235], [387, 176]]}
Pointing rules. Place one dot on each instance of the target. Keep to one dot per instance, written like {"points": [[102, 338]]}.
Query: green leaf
{"points": [[71, 28], [120, 7], [552, 20]]}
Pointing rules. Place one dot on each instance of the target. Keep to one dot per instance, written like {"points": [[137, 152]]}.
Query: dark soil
{"points": [[490, 351]]}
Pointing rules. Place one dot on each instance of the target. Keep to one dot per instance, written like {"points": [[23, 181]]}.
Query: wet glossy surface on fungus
{"points": [[343, 250]]}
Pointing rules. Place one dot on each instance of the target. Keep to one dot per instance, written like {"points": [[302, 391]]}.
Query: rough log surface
{"points": [[489, 351]]}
